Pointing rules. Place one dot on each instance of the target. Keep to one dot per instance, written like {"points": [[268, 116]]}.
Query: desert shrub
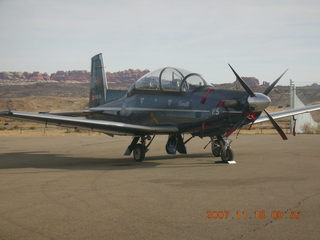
{"points": [[67, 130]]}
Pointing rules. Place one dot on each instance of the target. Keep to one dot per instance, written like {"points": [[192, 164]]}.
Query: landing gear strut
{"points": [[139, 149], [220, 147]]}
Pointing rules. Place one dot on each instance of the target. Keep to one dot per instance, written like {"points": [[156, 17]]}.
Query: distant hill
{"points": [[124, 78]]}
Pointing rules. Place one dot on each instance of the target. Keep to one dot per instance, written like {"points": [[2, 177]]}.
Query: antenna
{"points": [[9, 102], [292, 100]]}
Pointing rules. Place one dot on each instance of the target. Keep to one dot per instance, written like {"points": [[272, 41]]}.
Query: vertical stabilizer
{"points": [[98, 82]]}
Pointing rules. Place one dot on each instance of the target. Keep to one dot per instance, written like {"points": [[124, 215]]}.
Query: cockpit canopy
{"points": [[169, 79]]}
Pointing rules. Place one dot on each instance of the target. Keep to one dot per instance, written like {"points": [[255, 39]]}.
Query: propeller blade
{"points": [[276, 126], [243, 84], [269, 89]]}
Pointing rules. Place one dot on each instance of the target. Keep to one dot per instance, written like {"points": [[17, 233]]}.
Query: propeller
{"points": [[269, 89], [276, 126], [243, 84], [259, 102]]}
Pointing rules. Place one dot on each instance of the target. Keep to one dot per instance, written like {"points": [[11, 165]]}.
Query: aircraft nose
{"points": [[259, 102]]}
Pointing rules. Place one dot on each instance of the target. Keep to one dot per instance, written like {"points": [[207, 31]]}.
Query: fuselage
{"points": [[201, 112]]}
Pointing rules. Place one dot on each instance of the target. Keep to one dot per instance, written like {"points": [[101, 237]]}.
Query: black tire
{"points": [[139, 152], [227, 155], [171, 146], [216, 151], [215, 148]]}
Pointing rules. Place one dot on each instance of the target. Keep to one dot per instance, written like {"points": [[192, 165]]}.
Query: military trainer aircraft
{"points": [[168, 101]]}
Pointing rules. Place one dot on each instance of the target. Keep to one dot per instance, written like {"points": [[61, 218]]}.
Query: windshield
{"points": [[192, 82], [169, 79]]}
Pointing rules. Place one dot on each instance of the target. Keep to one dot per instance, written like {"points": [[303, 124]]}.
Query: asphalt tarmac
{"points": [[83, 188]]}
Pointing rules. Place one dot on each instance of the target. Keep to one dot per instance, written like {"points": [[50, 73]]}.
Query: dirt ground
{"points": [[81, 187]]}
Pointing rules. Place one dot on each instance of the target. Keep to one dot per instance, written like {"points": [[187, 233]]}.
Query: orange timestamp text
{"points": [[258, 214]]}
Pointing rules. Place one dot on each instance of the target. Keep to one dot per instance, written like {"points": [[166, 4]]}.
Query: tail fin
{"points": [[98, 82]]}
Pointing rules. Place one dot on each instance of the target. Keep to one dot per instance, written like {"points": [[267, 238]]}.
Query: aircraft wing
{"points": [[108, 127], [288, 113], [80, 113]]}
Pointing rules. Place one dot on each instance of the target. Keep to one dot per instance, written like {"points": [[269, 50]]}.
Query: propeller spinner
{"points": [[258, 102]]}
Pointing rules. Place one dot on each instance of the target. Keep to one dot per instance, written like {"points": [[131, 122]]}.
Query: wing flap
{"points": [[110, 127]]}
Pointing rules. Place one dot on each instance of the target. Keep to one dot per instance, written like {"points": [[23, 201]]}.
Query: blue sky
{"points": [[259, 38]]}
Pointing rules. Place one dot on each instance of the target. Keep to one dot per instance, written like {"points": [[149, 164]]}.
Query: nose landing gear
{"points": [[220, 147]]}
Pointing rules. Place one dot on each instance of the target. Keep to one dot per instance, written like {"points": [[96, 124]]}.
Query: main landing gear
{"points": [[139, 149], [220, 147], [139, 146], [175, 143]]}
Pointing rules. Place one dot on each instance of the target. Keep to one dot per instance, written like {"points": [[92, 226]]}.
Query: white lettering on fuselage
{"points": [[183, 104]]}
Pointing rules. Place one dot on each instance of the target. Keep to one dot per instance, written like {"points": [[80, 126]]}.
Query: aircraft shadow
{"points": [[18, 160]]}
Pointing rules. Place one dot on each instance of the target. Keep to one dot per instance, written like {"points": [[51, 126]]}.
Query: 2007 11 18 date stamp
{"points": [[258, 214]]}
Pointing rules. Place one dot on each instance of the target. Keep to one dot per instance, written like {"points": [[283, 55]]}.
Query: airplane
{"points": [[168, 101]]}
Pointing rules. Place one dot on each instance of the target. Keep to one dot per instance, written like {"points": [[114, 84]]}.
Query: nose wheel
{"points": [[220, 147], [215, 148], [227, 155]]}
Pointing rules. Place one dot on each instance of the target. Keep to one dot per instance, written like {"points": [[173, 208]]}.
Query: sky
{"points": [[258, 38]]}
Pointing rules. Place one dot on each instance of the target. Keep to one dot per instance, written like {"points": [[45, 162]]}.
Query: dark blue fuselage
{"points": [[201, 112]]}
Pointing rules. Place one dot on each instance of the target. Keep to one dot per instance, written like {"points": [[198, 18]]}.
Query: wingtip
{"points": [[5, 112]]}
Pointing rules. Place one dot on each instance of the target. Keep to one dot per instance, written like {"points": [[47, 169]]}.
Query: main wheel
{"points": [[139, 152], [171, 146], [227, 155]]}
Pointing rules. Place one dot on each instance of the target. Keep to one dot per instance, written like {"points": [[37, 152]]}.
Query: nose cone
{"points": [[259, 102]]}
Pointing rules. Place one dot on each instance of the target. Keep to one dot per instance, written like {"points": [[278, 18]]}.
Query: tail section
{"points": [[98, 82]]}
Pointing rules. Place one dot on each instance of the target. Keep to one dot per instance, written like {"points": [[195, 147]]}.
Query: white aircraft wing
{"points": [[108, 127], [288, 113]]}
